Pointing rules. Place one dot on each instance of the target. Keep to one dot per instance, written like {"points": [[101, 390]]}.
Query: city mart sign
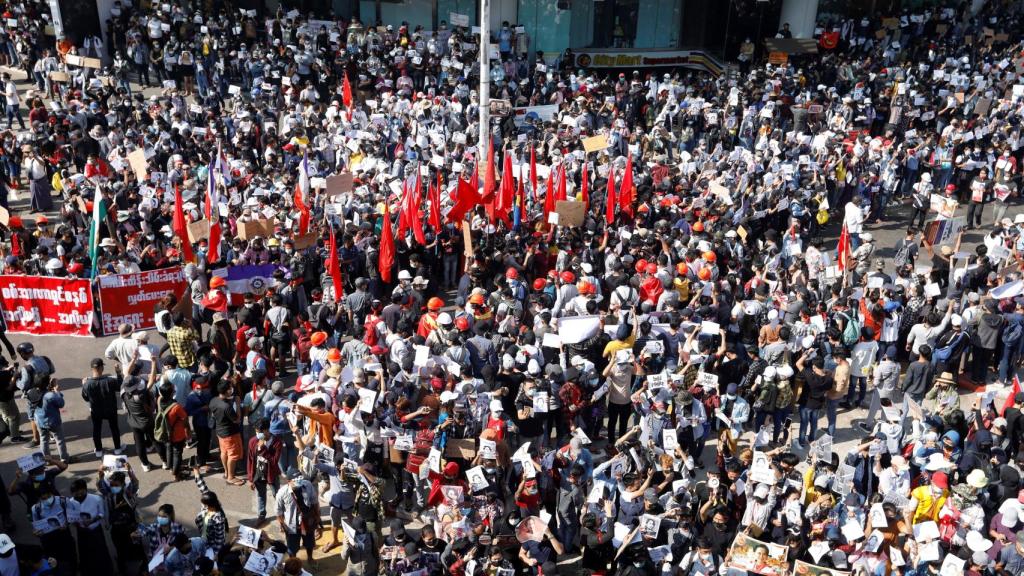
{"points": [[645, 59]]}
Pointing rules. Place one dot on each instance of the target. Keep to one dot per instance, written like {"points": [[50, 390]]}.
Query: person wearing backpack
{"points": [[949, 347], [862, 357], [49, 422], [985, 340], [9, 412], [139, 405], [33, 381], [101, 392], [171, 430]]}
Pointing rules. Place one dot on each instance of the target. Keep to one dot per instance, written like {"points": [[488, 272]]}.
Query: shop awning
{"points": [[791, 46]]}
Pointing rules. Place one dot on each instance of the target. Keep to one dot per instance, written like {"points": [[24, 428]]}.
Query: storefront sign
{"points": [[688, 58], [44, 305], [129, 298]]}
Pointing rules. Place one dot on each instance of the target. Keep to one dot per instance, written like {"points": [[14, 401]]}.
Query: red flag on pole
{"points": [[346, 95], [1009, 399], [386, 257], [626, 189], [435, 205], [609, 200], [549, 196], [843, 251], [508, 185], [180, 226], [561, 183], [489, 176], [213, 243], [533, 174], [302, 209], [414, 215], [584, 192], [334, 267]]}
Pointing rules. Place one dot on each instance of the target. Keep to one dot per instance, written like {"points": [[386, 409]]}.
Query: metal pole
{"points": [[485, 77]]}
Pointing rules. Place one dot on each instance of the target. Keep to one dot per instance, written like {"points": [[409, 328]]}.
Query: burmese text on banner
{"points": [[129, 298], [45, 305]]}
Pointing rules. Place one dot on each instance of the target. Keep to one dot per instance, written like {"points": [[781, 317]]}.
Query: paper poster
{"points": [[248, 537], [761, 469], [649, 525], [140, 165], [477, 479], [595, 143], [804, 569], [31, 461], [758, 557]]}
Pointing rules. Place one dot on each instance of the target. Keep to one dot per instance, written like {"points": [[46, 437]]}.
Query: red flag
{"points": [[561, 183], [386, 257], [843, 251], [626, 189], [180, 227], [334, 267], [1009, 399], [533, 174], [404, 223], [346, 95], [508, 186], [584, 192], [213, 243], [549, 196], [415, 220], [467, 197], [609, 200], [489, 176], [302, 209], [435, 205]]}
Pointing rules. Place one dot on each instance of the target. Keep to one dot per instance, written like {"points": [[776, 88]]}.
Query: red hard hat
{"points": [[710, 256], [587, 288], [704, 274], [435, 303], [539, 284], [682, 269], [651, 268], [462, 323], [511, 273], [640, 266], [568, 277], [217, 282], [698, 226]]}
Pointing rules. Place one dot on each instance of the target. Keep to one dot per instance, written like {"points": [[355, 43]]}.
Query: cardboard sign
{"points": [[465, 448], [570, 213], [982, 106], [339, 183], [595, 143], [94, 63], [303, 241], [5, 216], [198, 231], [467, 241], [137, 160], [255, 229], [57, 76]]}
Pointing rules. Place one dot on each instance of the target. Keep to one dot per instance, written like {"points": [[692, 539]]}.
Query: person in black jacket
{"points": [[101, 392]]}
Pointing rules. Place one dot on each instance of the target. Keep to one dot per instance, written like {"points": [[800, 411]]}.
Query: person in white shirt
{"points": [[12, 101], [853, 219], [122, 349], [89, 512]]}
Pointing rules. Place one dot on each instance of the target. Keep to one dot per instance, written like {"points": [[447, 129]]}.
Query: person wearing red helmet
{"points": [[566, 292], [516, 284], [216, 299], [651, 287], [428, 322]]}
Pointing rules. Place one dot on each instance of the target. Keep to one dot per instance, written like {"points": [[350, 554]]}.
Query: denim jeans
{"points": [[778, 420], [261, 497], [1006, 361], [855, 383], [831, 411], [808, 424], [58, 435]]}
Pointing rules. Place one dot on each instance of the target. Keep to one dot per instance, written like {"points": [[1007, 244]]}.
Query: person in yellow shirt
{"points": [[926, 501], [625, 336]]}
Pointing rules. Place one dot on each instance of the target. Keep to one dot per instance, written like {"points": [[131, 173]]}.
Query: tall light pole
{"points": [[485, 77]]}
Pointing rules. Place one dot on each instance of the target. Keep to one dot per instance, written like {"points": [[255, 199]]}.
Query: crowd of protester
{"points": [[451, 372]]}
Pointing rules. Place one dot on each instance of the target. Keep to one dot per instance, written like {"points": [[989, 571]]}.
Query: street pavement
{"points": [[71, 357]]}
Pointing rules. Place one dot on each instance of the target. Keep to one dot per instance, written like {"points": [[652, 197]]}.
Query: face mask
{"points": [[116, 489], [39, 477], [529, 393], [49, 501], [721, 525], [261, 436], [163, 520]]}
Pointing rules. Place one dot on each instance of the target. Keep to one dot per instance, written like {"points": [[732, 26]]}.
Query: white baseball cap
{"points": [[6, 544]]}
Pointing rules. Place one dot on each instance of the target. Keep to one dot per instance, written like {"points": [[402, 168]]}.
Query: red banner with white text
{"points": [[129, 298], [46, 305]]}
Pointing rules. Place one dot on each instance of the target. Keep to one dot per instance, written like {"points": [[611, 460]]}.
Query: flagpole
{"points": [[485, 75]]}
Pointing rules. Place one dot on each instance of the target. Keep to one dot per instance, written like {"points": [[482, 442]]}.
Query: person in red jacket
{"points": [[96, 169], [651, 286], [261, 466]]}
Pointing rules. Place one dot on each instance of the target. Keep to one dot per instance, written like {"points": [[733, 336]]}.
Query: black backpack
{"points": [[41, 379]]}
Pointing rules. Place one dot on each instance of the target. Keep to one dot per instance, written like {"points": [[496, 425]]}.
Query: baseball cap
{"points": [[96, 363], [6, 544]]}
